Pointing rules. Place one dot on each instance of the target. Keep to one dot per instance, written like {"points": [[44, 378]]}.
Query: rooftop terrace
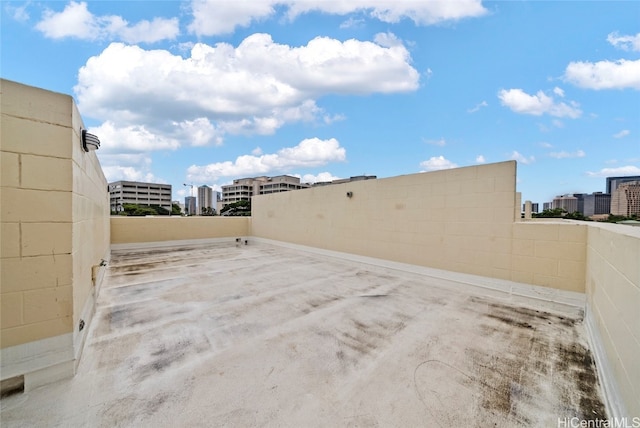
{"points": [[215, 333]]}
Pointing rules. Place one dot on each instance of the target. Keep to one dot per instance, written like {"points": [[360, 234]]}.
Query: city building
{"points": [[614, 182], [205, 199], [597, 203], [569, 203], [625, 200], [135, 192], [244, 188], [190, 205], [534, 207]]}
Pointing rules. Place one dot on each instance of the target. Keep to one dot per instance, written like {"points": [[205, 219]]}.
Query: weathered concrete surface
{"points": [[261, 335]]}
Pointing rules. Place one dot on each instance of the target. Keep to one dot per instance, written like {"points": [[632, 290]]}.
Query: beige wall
{"points": [[126, 230], [54, 226], [549, 253], [613, 296]]}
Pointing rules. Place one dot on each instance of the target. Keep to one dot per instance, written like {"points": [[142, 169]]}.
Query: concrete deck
{"points": [[214, 334]]}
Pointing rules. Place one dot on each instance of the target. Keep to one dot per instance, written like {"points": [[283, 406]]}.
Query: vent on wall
{"points": [[89, 141]]}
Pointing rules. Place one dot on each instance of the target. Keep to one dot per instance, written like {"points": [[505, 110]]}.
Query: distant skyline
{"points": [[208, 91]]}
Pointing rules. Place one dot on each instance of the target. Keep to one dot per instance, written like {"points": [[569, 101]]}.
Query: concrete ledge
{"points": [[49, 375], [167, 244], [567, 302], [40, 362]]}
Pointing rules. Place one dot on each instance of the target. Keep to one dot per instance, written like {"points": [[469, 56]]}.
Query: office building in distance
{"points": [[205, 200], [243, 189], [625, 200], [136, 192], [614, 182], [190, 205]]}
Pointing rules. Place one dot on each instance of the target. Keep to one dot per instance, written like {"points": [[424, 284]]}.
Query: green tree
{"points": [[550, 213], [175, 209], [208, 211], [577, 215], [142, 210], [240, 208], [616, 218]]}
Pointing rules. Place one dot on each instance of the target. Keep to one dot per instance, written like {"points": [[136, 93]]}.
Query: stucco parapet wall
{"points": [[125, 230]]}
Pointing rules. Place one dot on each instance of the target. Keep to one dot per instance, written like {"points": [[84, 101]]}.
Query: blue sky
{"points": [[207, 91]]}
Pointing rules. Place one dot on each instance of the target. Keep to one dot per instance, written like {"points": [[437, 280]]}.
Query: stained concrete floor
{"points": [[261, 335]]}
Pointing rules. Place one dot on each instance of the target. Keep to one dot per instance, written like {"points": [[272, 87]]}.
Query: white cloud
{"points": [[627, 43], [130, 167], [622, 133], [131, 139], [619, 74], [480, 159], [437, 163], [565, 155], [311, 152], [352, 23], [616, 172], [557, 123], [77, 22], [211, 17], [545, 144], [559, 92], [421, 12], [387, 40], [478, 107], [199, 132], [521, 158], [254, 88], [540, 103], [17, 13], [428, 73], [319, 178], [329, 119]]}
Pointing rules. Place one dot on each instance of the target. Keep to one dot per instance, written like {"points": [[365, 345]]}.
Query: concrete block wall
{"points": [[44, 177], [127, 230], [550, 254], [458, 219], [613, 297]]}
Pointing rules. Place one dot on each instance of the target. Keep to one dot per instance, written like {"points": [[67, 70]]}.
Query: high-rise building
{"points": [[567, 202], [625, 200], [614, 182], [135, 192], [205, 199], [244, 188], [596, 203], [190, 205]]}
